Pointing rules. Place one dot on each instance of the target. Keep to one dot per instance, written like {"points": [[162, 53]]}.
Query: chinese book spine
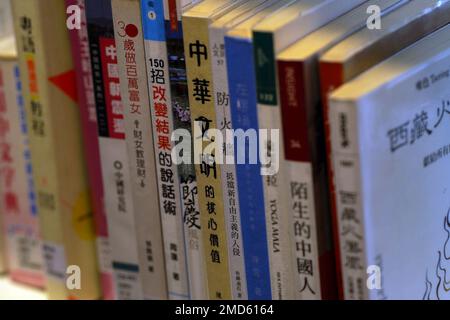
{"points": [[203, 117], [242, 86], [275, 187], [18, 205], [176, 250], [113, 152], [228, 170], [86, 100], [56, 147], [139, 139]]}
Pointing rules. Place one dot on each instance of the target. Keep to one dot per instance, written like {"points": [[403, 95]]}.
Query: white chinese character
{"points": [[111, 52], [113, 71], [114, 89]]}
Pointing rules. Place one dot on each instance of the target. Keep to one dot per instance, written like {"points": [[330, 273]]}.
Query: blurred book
{"points": [[390, 151]]}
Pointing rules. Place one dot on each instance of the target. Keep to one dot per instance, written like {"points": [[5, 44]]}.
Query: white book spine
{"points": [[302, 217], [139, 141], [158, 83], [346, 165], [229, 181], [277, 220], [121, 222]]}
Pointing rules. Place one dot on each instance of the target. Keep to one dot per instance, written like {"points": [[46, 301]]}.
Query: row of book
{"points": [[334, 183]]}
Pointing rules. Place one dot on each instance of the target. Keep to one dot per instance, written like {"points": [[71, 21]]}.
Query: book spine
{"points": [[63, 191], [139, 139], [345, 154], [186, 171], [113, 152], [275, 188], [86, 101], [242, 87], [209, 177], [17, 189], [26, 25], [331, 77], [166, 170], [228, 169], [300, 179]]}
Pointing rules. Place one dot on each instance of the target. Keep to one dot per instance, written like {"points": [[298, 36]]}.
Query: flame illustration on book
{"points": [[442, 271]]}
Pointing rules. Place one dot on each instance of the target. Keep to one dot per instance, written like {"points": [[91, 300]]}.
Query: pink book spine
{"points": [[83, 67]]}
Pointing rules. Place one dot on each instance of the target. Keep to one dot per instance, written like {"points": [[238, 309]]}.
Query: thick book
{"points": [[139, 140], [196, 22], [57, 155], [20, 225], [390, 150], [304, 145], [217, 31], [86, 101], [115, 169], [361, 51], [271, 36], [242, 95], [176, 247]]}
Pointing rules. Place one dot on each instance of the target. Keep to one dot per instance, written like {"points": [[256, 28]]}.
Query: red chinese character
{"points": [[159, 93], [164, 143]]}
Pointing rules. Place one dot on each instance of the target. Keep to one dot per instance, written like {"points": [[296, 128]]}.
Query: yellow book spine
{"points": [[201, 99], [56, 149]]}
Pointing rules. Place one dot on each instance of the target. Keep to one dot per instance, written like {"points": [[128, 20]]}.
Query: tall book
{"points": [[20, 224], [59, 171], [304, 145], [139, 140], [115, 169], [196, 22], [242, 88], [179, 265], [390, 150], [183, 132], [217, 31], [86, 101], [282, 208], [358, 53]]}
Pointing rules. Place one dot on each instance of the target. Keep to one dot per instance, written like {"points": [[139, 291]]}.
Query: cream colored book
{"points": [[196, 22], [139, 140], [56, 149]]}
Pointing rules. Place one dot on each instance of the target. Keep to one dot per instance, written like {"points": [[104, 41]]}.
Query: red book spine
{"points": [[332, 77], [297, 145], [85, 90]]}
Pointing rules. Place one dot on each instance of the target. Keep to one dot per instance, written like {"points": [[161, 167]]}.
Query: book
{"points": [[20, 224], [270, 37], [86, 101], [186, 171], [242, 88], [3, 261], [115, 169], [179, 265], [361, 51], [59, 170], [139, 140], [304, 145], [196, 22], [390, 152], [217, 31]]}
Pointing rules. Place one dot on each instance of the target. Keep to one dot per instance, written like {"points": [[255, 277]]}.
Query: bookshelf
{"points": [[10, 290]]}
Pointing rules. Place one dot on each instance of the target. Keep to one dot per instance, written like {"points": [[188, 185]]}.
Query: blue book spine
{"points": [[242, 86]]}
